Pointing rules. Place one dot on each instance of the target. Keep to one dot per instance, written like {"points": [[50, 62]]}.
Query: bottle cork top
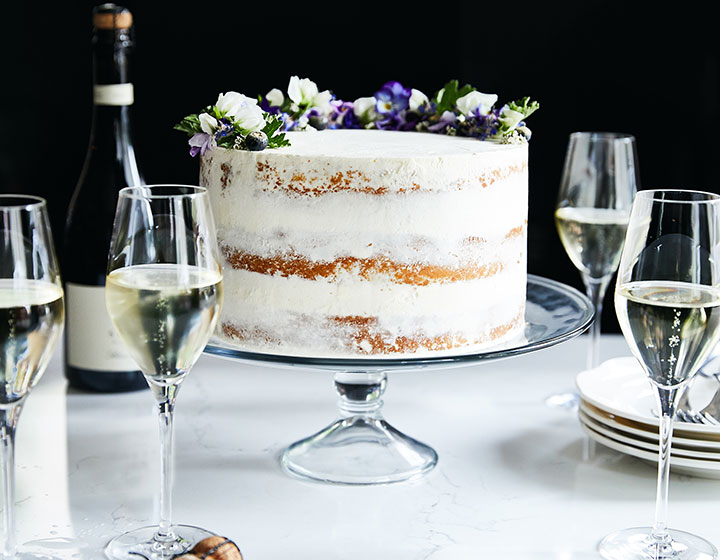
{"points": [[111, 16]]}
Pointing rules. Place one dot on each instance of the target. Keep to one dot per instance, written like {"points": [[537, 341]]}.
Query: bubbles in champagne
{"points": [[672, 327], [31, 320], [164, 314], [593, 237]]}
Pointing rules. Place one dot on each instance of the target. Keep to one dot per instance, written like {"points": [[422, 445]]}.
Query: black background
{"points": [[609, 66]]}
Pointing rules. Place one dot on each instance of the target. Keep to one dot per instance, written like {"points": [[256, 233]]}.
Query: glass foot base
{"points": [[142, 543], [359, 450], [565, 401], [638, 544]]}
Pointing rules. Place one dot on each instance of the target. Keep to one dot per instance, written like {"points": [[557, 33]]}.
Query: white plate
{"points": [[694, 467], [620, 387], [681, 438], [643, 443]]}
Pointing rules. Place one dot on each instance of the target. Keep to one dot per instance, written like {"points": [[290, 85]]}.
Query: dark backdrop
{"points": [[613, 66]]}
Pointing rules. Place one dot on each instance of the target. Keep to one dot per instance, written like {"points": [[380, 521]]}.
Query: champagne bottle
{"points": [[95, 358]]}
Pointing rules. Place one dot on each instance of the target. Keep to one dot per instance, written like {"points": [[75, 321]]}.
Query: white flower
{"points": [[364, 107], [305, 92], [510, 118], [250, 118], [242, 109], [208, 123], [476, 102], [302, 91], [275, 97], [321, 102], [417, 99], [231, 102], [440, 94]]}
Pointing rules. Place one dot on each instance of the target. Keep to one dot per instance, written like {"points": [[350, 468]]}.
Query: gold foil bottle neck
{"points": [[111, 16]]}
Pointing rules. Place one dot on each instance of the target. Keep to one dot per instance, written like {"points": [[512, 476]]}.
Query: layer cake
{"points": [[371, 243]]}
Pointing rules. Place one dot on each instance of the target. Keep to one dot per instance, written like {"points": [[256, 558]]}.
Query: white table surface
{"points": [[515, 479]]}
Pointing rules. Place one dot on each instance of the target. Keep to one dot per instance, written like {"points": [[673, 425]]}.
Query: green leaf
{"points": [[278, 141], [524, 106], [226, 141], [190, 125], [447, 97], [273, 123]]}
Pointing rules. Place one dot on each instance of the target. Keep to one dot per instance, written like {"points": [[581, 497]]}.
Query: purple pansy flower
{"points": [[268, 108], [392, 98], [446, 119], [488, 124], [343, 115], [199, 143]]}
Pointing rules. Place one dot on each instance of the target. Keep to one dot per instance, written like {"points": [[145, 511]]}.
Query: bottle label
{"points": [[92, 341], [113, 94]]}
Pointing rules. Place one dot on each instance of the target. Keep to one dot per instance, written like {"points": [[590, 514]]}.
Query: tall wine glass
{"points": [[31, 320], [164, 293], [667, 300], [599, 181]]}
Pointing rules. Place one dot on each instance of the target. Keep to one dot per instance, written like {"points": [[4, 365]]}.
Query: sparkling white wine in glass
{"points": [[667, 300], [31, 319], [598, 183], [593, 237], [671, 326], [163, 294], [164, 313]]}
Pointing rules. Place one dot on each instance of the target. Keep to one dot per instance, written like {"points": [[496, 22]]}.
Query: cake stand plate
{"points": [[361, 447]]}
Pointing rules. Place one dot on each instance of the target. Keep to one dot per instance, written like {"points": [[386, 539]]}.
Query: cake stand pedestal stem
{"points": [[360, 447]]}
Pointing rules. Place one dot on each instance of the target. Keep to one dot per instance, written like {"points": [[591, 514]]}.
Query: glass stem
{"points": [[595, 290], [8, 422], [360, 393], [165, 394], [668, 403]]}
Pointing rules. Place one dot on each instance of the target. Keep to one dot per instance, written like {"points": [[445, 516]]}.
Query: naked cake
{"points": [[362, 240]]}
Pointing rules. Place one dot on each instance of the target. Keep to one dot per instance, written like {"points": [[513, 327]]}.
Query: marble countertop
{"points": [[515, 478]]}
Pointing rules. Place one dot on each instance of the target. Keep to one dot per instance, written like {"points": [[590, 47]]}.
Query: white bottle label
{"points": [[92, 341], [113, 94]]}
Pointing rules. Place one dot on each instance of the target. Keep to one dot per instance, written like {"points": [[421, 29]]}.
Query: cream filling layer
{"points": [[252, 298], [400, 250], [490, 213]]}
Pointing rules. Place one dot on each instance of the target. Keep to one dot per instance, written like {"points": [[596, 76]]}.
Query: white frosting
{"points": [[413, 199], [347, 295]]}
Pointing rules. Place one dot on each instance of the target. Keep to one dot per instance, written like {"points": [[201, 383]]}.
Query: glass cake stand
{"points": [[360, 447]]}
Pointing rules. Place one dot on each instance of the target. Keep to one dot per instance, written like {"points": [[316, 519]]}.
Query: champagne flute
{"points": [[164, 293], [667, 300], [31, 320], [599, 181]]}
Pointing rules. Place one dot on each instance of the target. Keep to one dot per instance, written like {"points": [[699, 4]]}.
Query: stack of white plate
{"points": [[618, 409]]}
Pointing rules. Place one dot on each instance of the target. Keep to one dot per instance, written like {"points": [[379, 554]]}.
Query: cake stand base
{"points": [[359, 450], [360, 447]]}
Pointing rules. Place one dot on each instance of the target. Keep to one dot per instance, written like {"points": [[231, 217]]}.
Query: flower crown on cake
{"points": [[243, 123]]}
